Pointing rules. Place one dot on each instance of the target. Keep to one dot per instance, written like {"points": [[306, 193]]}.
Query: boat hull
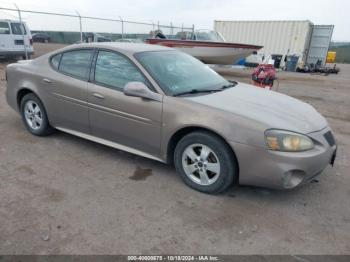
{"points": [[209, 52], [214, 55]]}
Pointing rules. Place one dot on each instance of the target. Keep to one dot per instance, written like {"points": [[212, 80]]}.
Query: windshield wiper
{"points": [[196, 91], [228, 85]]}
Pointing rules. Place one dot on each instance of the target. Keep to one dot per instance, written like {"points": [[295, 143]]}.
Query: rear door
{"points": [[129, 121], [6, 39], [20, 37], [66, 86]]}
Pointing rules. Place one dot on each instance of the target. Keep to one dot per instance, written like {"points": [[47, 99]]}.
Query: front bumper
{"points": [[283, 170]]}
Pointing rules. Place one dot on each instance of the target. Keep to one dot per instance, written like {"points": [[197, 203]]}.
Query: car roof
{"points": [[130, 48]]}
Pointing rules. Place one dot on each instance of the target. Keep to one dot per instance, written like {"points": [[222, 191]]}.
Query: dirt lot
{"points": [[41, 49], [66, 195]]}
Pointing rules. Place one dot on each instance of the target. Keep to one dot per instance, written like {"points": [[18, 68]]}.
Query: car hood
{"points": [[270, 108]]}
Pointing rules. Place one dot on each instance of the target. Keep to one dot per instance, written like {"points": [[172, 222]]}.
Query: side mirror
{"points": [[139, 89]]}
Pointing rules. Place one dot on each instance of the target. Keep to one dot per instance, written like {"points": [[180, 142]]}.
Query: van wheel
{"points": [[34, 116], [205, 162]]}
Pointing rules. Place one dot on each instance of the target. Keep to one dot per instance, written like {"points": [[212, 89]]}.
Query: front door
{"points": [[128, 121]]}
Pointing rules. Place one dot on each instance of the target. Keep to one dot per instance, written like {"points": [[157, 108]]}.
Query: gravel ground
{"points": [[41, 49], [66, 195]]}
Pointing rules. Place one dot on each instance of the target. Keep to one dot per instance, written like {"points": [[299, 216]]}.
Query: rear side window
{"points": [[18, 29], [114, 70], [4, 28], [76, 63], [55, 61]]}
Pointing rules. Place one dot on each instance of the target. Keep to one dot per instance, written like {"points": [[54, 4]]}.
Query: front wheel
{"points": [[34, 116], [205, 162]]}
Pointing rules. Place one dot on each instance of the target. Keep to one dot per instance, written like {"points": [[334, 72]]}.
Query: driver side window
{"points": [[115, 71]]}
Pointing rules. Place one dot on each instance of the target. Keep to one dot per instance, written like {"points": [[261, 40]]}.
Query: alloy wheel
{"points": [[33, 115], [201, 164]]}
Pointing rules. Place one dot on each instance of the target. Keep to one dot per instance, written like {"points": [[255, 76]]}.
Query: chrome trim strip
{"points": [[110, 144], [104, 109], [70, 99], [120, 113]]}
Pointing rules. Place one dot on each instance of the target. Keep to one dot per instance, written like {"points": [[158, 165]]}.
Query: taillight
{"points": [[31, 41]]}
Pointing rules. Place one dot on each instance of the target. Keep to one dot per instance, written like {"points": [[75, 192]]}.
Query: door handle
{"points": [[99, 96], [46, 80]]}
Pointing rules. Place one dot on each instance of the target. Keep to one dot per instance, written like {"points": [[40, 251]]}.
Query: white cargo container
{"points": [[319, 43], [277, 37]]}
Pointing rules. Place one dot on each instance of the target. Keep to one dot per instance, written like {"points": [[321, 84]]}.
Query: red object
{"points": [[191, 43], [264, 76]]}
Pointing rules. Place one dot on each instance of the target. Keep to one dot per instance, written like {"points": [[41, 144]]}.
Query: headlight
{"points": [[280, 140]]}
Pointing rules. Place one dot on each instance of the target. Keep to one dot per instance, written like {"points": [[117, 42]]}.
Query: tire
{"points": [[32, 108], [26, 57], [209, 173]]}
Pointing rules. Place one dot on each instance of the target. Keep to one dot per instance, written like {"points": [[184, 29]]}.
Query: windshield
{"points": [[178, 73], [207, 35]]}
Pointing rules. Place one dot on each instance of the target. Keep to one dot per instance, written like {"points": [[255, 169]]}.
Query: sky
{"points": [[201, 13]]}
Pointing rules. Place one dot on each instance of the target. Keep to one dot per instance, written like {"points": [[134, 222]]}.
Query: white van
{"points": [[12, 41]]}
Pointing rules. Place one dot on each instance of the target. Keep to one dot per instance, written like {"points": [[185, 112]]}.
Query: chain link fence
{"points": [[72, 28]]}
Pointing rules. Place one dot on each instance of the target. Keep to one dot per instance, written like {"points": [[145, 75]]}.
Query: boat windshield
{"points": [[208, 35], [200, 35], [178, 73]]}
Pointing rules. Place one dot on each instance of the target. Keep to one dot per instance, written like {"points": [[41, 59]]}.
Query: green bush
{"points": [[343, 53]]}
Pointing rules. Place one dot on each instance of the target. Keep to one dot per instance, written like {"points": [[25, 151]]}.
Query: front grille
{"points": [[330, 138]]}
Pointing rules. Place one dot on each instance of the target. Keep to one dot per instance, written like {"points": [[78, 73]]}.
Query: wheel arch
{"points": [[179, 134], [21, 93]]}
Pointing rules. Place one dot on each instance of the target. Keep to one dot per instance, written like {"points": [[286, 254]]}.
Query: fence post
{"points": [[22, 31], [81, 26], [121, 19], [171, 30]]}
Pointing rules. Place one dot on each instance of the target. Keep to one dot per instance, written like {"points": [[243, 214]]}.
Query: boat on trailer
{"points": [[208, 46]]}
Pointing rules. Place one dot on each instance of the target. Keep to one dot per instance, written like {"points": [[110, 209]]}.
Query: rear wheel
{"points": [[205, 162], [34, 116]]}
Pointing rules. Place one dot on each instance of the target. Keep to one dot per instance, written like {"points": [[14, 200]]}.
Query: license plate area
{"points": [[19, 42]]}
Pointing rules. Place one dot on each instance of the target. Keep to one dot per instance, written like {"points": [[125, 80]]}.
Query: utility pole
{"points": [[22, 31], [81, 26], [121, 19]]}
